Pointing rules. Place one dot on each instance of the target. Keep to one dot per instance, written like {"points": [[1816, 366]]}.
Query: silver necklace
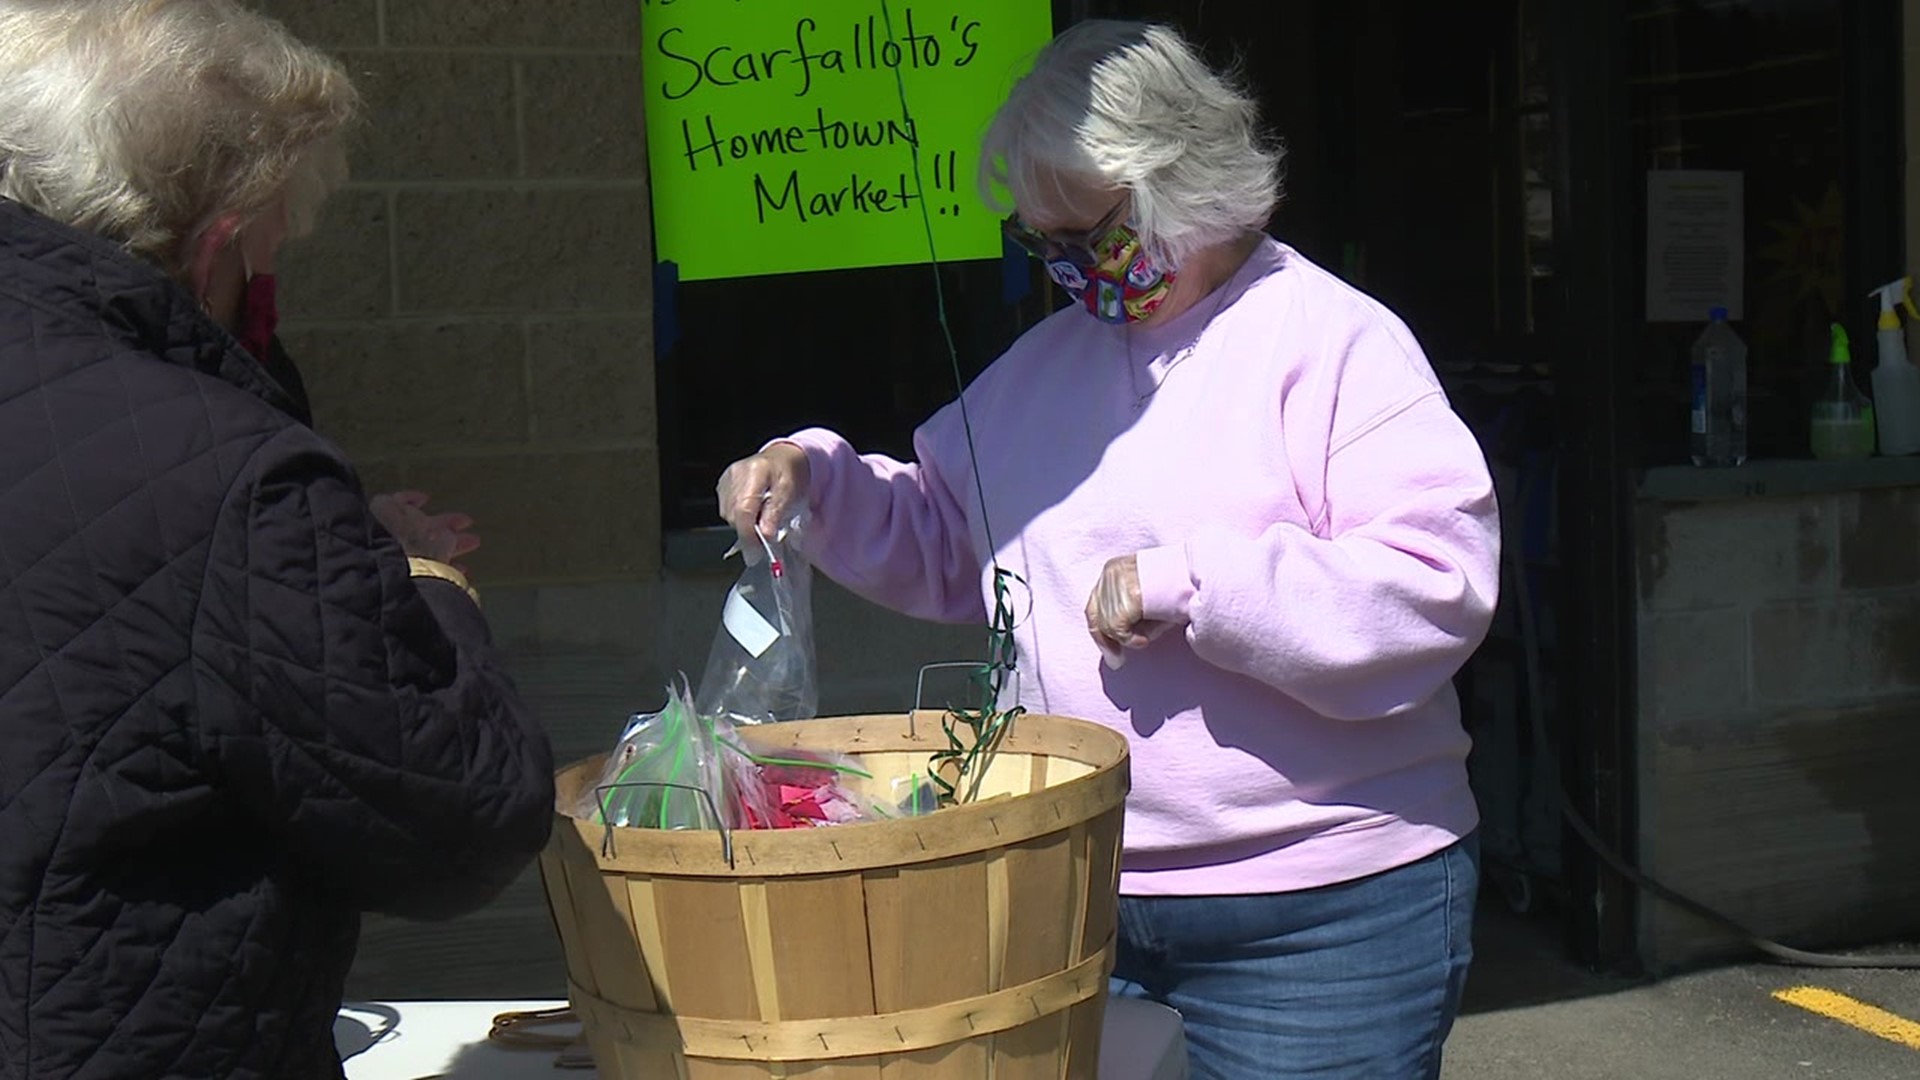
{"points": [[1133, 377]]}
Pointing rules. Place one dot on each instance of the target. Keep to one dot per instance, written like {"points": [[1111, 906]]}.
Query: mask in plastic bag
{"points": [[807, 788], [678, 769], [761, 666], [667, 772]]}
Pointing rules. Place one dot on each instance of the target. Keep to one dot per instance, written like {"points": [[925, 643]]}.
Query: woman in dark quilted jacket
{"points": [[235, 711]]}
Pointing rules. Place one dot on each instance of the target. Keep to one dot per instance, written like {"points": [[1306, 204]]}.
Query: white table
{"points": [[416, 1040]]}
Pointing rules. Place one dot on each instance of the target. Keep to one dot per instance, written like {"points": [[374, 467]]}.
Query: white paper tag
{"points": [[748, 627]]}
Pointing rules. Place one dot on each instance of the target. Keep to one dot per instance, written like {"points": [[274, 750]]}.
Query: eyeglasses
{"points": [[1076, 248]]}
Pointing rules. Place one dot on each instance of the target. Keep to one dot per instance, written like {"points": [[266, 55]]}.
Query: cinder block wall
{"points": [[1779, 687], [474, 313]]}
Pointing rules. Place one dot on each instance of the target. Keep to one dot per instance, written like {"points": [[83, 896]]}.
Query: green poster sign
{"points": [[777, 142]]}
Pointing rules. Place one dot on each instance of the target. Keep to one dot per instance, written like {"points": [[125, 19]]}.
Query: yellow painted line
{"points": [[1857, 1014]]}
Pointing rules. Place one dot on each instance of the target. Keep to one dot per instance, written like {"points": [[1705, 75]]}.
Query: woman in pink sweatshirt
{"points": [[1259, 541]]}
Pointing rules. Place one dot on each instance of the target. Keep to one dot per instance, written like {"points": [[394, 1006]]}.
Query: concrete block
{"points": [[331, 24], [1880, 539], [397, 387], [583, 116], [510, 611], [436, 116], [1803, 830], [550, 518], [544, 250], [343, 270], [1693, 666], [1848, 649], [1704, 555], [603, 25], [593, 381], [380, 475], [612, 617]]}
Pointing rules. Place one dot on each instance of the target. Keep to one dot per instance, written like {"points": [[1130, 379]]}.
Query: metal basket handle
{"points": [[920, 688], [713, 812]]}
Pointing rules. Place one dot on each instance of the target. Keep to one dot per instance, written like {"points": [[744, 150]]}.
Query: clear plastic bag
{"points": [[678, 769], [914, 796], [761, 667], [667, 772]]}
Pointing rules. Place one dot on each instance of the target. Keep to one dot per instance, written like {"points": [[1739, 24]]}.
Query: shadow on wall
{"points": [[1860, 762]]}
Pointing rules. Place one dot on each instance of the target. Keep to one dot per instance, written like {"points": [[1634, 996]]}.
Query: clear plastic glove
{"points": [[759, 495], [1115, 614], [440, 537]]}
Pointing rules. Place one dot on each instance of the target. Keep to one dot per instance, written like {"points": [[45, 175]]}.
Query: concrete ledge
{"points": [[1763, 479]]}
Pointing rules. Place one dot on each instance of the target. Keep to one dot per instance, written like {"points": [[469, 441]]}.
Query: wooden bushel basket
{"points": [[970, 943]]}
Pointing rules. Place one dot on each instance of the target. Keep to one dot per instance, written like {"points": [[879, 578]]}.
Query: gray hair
{"points": [[1132, 105], [146, 120]]}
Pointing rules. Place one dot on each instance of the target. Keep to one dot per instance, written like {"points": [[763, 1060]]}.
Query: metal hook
{"points": [[713, 811], [920, 688]]}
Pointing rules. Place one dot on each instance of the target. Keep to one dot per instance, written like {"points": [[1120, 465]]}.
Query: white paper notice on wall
{"points": [[1696, 244], [748, 627]]}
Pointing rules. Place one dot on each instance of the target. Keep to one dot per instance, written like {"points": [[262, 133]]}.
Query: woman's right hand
{"points": [[759, 494]]}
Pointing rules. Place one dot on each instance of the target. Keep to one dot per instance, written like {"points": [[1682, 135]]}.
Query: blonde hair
{"points": [[145, 121], [1133, 106]]}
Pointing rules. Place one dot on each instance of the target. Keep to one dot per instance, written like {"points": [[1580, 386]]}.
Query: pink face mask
{"points": [[259, 315]]}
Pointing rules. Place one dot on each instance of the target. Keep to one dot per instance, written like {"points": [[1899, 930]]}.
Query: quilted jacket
{"points": [[229, 720]]}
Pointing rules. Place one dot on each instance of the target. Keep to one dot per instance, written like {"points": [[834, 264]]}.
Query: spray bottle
{"points": [[1843, 417], [1896, 382]]}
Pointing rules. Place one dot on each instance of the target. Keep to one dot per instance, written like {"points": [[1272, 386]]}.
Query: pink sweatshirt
{"points": [[1302, 498]]}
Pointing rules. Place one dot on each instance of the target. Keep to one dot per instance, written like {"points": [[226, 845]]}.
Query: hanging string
{"points": [[960, 767]]}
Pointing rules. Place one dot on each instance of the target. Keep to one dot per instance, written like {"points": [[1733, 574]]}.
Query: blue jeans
{"points": [[1360, 979]]}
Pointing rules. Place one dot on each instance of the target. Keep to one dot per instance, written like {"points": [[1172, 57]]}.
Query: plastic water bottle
{"points": [[1719, 379]]}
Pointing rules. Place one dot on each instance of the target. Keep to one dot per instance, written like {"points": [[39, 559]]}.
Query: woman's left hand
{"points": [[1115, 614], [440, 537]]}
